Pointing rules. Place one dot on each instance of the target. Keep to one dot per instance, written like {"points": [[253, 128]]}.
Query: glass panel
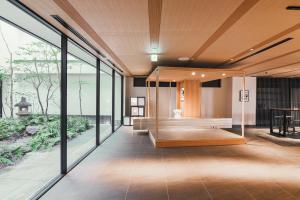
{"points": [[30, 126], [81, 98], [118, 100], [105, 101]]}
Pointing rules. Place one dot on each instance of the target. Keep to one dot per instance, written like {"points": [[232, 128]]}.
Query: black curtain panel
{"points": [[271, 93]]}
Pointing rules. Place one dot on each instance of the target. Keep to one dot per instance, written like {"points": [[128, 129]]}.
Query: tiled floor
{"points": [[128, 167]]}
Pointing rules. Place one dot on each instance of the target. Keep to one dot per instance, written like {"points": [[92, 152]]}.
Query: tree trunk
{"points": [[80, 93], [11, 95]]}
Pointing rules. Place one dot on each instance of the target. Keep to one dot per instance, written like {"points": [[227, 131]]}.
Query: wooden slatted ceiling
{"points": [[74, 14], [124, 25], [213, 29], [47, 8], [264, 20], [154, 10], [186, 25], [234, 17], [178, 74]]}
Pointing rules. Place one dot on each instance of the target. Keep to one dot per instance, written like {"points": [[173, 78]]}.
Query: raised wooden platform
{"points": [[172, 137]]}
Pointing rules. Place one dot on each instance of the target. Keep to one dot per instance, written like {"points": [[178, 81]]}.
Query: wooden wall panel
{"points": [[178, 89], [192, 101]]}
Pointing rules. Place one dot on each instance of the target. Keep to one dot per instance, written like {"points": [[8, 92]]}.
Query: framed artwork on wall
{"points": [[244, 97], [133, 101], [141, 101], [134, 111]]}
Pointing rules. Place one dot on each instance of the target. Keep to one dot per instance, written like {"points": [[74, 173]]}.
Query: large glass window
{"points": [[30, 81], [118, 100], [81, 100], [105, 101], [30, 124]]}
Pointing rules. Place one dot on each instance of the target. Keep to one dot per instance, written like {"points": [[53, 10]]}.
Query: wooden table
{"points": [[284, 111]]}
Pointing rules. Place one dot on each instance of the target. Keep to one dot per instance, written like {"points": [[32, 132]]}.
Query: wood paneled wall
{"points": [[192, 101], [178, 89]]}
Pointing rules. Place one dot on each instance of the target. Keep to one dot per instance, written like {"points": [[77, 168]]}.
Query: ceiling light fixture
{"points": [[223, 74], [202, 75], [231, 59], [251, 49], [193, 73], [183, 58], [173, 80], [154, 57]]}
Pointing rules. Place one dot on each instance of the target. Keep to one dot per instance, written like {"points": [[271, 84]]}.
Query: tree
{"points": [[80, 84], [39, 61]]}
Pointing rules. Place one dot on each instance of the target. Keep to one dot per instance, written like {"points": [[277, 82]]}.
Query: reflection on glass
{"points": [[105, 101], [118, 99], [81, 98]]}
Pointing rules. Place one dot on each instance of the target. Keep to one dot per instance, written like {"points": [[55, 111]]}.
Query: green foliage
{"points": [[49, 134], [9, 155], [9, 127]]}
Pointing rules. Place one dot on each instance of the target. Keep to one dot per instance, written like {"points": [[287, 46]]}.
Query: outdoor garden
{"points": [[34, 133], [31, 72]]}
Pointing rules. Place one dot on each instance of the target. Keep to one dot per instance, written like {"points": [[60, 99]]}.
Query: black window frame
{"points": [[64, 169]]}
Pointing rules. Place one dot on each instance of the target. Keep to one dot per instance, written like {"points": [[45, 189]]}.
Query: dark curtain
{"points": [[271, 93]]}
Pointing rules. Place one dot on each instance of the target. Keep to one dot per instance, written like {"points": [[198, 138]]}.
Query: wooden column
{"points": [[148, 98], [157, 103], [178, 89], [243, 106], [170, 100], [192, 100]]}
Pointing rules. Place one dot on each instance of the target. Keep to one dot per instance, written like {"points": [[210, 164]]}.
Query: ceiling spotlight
{"points": [[251, 49], [154, 57], [193, 73], [202, 75], [231, 59], [223, 74], [173, 80]]}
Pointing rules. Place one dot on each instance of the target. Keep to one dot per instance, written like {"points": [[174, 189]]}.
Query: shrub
{"points": [[9, 127], [10, 154], [48, 134]]}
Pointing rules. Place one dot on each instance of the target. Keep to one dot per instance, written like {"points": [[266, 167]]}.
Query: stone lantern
{"points": [[23, 106]]}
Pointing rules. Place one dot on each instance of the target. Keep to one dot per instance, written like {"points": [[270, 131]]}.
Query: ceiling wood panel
{"points": [[154, 10], [276, 63], [186, 25], [277, 70], [124, 25], [234, 17], [207, 31], [67, 7], [178, 74], [266, 19]]}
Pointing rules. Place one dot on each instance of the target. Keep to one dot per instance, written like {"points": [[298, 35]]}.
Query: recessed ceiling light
{"points": [[251, 49], [193, 73], [231, 59], [153, 57], [173, 80], [223, 74], [202, 75], [183, 58]]}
